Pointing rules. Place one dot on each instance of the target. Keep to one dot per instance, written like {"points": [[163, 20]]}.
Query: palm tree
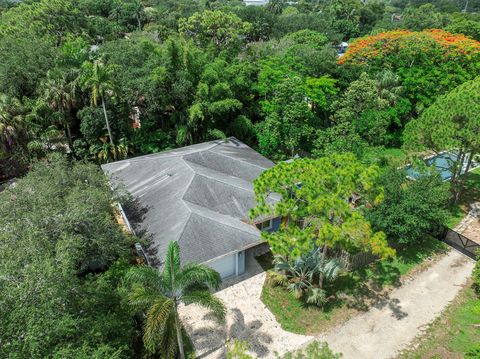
{"points": [[11, 122], [158, 295], [97, 78], [299, 275], [388, 86], [60, 96]]}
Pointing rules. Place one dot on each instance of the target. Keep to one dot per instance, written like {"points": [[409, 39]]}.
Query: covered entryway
{"points": [[229, 265]]}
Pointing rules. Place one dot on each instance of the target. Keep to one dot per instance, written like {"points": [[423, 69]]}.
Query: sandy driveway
{"points": [[392, 325], [379, 333]]}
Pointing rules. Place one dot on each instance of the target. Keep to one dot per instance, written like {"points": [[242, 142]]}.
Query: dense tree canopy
{"points": [[451, 123], [411, 210], [57, 230], [182, 72], [317, 193], [429, 63], [101, 80]]}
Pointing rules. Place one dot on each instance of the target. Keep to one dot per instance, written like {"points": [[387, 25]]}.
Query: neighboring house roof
{"points": [[199, 196]]}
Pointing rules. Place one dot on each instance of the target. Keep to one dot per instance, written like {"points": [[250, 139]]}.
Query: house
{"points": [[255, 2], [199, 196]]}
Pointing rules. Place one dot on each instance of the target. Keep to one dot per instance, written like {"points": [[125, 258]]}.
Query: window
{"points": [[265, 226]]}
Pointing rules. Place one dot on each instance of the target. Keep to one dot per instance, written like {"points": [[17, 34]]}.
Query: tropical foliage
{"points": [[158, 295], [429, 63], [99, 81], [313, 197], [63, 255], [451, 123]]}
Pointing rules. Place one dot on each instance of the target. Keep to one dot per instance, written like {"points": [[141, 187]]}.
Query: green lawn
{"points": [[454, 332], [382, 155], [357, 290], [407, 260]]}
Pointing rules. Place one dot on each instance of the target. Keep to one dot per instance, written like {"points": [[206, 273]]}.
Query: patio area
{"points": [[247, 319]]}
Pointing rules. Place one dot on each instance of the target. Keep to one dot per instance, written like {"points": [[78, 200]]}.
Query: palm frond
{"points": [[140, 298], [158, 323], [277, 279], [207, 300], [193, 273], [145, 275], [332, 269], [298, 287], [171, 267], [316, 296]]}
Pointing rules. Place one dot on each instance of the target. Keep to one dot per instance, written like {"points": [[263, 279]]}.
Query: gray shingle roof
{"points": [[198, 195]]}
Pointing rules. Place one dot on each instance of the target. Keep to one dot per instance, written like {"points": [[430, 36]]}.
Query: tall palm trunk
{"points": [[106, 120], [179, 334], [322, 260], [67, 128]]}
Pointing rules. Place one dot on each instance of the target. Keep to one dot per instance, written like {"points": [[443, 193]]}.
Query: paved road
{"points": [[389, 327]]}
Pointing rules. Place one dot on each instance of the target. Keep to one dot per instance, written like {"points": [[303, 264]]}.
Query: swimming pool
{"points": [[443, 162]]}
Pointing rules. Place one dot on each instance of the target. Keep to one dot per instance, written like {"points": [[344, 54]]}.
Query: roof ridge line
{"points": [[215, 220], [164, 154], [225, 183], [183, 201], [237, 159], [180, 234]]}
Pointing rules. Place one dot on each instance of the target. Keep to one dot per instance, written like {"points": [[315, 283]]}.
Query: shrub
{"points": [[314, 350], [473, 352], [476, 277]]}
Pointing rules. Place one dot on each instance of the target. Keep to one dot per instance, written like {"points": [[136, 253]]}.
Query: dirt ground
{"points": [[392, 325], [470, 225]]}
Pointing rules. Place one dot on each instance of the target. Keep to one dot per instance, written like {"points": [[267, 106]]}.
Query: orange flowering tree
{"points": [[429, 63]]}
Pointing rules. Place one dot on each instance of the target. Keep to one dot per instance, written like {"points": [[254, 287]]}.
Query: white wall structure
{"points": [[255, 2], [229, 265]]}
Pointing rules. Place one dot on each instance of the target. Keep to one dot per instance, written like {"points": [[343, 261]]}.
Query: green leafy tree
{"points": [[374, 107], [12, 125], [217, 110], [289, 122], [291, 103], [159, 294], [25, 61], [50, 20], [464, 24], [58, 230], [276, 6], [96, 77], [411, 210], [424, 17], [339, 138], [315, 193], [451, 123], [222, 29]]}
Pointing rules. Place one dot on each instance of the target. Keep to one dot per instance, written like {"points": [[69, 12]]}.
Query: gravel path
{"points": [[391, 325]]}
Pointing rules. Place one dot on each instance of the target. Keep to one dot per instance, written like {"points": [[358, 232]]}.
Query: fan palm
{"points": [[60, 96], [97, 78], [301, 271], [158, 295], [11, 122]]}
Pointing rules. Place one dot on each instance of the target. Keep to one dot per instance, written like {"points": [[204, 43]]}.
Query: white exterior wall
{"points": [[229, 265]]}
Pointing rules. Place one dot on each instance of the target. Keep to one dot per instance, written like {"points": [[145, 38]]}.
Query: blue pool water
{"points": [[443, 164]]}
